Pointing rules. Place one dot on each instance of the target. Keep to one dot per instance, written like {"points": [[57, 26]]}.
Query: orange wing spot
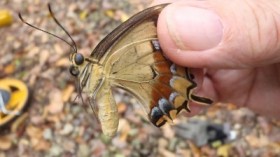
{"points": [[158, 56], [162, 67], [155, 97], [165, 79], [164, 90]]}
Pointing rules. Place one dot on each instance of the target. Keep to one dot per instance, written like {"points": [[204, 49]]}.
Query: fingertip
{"points": [[185, 31]]}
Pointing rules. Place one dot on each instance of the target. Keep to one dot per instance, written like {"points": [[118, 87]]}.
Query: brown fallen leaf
{"points": [[257, 142], [56, 102], [194, 149], [184, 152], [43, 57], [124, 129], [67, 92], [166, 153], [34, 132], [19, 122], [63, 62], [36, 138], [6, 142], [9, 69], [42, 145], [58, 49], [122, 108], [168, 132]]}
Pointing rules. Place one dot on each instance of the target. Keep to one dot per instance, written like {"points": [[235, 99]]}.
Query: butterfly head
{"points": [[77, 60]]}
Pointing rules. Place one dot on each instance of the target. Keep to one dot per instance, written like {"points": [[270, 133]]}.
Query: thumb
{"points": [[221, 34]]}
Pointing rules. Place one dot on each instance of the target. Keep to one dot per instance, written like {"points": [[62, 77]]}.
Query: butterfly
{"points": [[131, 58]]}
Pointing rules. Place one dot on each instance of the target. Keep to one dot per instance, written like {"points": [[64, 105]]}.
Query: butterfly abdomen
{"points": [[107, 110]]}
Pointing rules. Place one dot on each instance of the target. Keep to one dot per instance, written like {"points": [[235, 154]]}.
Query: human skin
{"points": [[236, 43]]}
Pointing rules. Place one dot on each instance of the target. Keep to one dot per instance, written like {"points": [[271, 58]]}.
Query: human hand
{"points": [[236, 42]]}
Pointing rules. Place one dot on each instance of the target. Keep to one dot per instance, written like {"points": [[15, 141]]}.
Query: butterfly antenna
{"points": [[73, 46]]}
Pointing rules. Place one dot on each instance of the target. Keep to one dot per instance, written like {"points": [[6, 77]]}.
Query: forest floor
{"points": [[56, 125]]}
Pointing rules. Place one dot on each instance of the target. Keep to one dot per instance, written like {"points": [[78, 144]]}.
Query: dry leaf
{"points": [[9, 69], [168, 131], [34, 132], [255, 141], [195, 150], [124, 129], [67, 92], [166, 153], [32, 51], [56, 102], [162, 143], [42, 145], [58, 49], [6, 142], [43, 57], [184, 152], [19, 122], [122, 108], [223, 151], [63, 62]]}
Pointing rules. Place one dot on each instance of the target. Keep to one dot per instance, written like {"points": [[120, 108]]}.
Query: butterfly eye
{"points": [[79, 59], [74, 71]]}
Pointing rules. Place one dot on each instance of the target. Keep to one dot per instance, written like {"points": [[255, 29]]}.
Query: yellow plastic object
{"points": [[18, 99], [5, 18]]}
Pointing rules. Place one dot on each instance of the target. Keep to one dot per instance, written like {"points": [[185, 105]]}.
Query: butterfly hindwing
{"points": [[132, 59], [160, 85]]}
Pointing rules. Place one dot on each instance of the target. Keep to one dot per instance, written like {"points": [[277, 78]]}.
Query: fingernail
{"points": [[194, 28]]}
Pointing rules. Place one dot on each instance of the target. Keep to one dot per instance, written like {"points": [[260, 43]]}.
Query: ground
{"points": [[56, 125]]}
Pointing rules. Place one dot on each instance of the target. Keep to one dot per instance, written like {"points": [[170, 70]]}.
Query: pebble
{"points": [[69, 117], [76, 109], [55, 150], [119, 155], [173, 144], [69, 146], [83, 151], [133, 132], [117, 142], [47, 134], [67, 129]]}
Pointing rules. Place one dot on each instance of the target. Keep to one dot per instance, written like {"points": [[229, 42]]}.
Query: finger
{"points": [[156, 2], [221, 34]]}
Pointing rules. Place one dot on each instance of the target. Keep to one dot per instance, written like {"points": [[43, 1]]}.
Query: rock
{"points": [[67, 129], [83, 151], [55, 150], [47, 134]]}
